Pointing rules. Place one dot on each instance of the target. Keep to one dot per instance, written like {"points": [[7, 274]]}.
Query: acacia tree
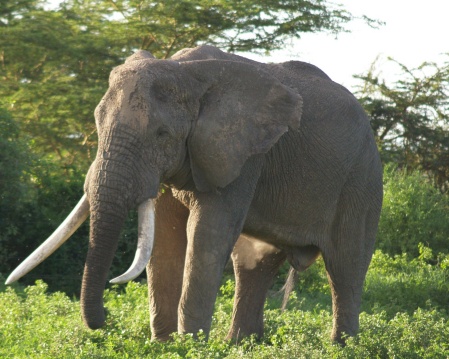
{"points": [[53, 74], [234, 25], [410, 118], [55, 63]]}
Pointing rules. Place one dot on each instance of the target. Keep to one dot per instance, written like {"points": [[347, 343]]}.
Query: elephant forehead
{"points": [[141, 96], [127, 99], [128, 79]]}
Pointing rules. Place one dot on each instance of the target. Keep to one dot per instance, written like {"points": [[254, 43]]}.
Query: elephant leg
{"points": [[255, 265], [166, 266], [215, 223], [347, 260]]}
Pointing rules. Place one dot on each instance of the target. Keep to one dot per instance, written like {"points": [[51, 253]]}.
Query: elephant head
{"points": [[192, 123]]}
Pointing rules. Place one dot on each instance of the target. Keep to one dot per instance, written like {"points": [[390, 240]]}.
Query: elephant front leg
{"points": [[215, 222], [208, 250], [166, 267]]}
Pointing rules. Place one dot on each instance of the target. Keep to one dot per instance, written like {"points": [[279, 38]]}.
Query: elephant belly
{"points": [[294, 230], [293, 212]]}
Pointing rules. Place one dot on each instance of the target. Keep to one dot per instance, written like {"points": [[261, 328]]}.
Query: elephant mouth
{"points": [[79, 214]]}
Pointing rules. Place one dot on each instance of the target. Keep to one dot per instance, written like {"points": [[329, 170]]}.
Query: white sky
{"points": [[415, 32]]}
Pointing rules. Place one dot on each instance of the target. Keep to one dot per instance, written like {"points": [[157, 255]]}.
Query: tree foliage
{"points": [[53, 74], [55, 63], [410, 118], [234, 25], [14, 161]]}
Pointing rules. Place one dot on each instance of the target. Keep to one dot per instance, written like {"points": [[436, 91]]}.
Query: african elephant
{"points": [[209, 145]]}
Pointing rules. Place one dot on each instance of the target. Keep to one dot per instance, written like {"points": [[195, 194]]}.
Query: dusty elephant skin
{"points": [[271, 162]]}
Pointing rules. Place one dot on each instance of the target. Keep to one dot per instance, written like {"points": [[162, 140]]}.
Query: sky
{"points": [[414, 32]]}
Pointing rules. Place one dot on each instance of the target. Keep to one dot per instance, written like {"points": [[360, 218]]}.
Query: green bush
{"points": [[413, 212], [14, 164], [401, 285], [396, 321]]}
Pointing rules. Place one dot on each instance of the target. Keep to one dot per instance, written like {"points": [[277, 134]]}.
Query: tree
{"points": [[53, 74], [14, 161], [55, 63], [410, 118], [234, 25]]}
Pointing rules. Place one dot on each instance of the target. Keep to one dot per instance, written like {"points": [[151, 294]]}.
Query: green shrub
{"points": [[401, 285], [413, 212], [404, 315], [14, 164]]}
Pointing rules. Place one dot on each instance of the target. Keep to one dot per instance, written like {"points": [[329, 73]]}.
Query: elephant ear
{"points": [[243, 111]]}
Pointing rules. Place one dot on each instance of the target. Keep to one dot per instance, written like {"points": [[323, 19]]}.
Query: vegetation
{"points": [[413, 212], [404, 315], [410, 118], [404, 308]]}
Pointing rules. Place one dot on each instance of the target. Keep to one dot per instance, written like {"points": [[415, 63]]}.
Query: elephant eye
{"points": [[162, 132], [161, 96]]}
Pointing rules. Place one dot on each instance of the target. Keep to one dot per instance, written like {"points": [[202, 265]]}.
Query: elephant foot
{"points": [[161, 338], [238, 333], [340, 334]]}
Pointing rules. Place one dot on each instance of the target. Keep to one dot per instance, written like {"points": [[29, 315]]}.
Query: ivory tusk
{"points": [[62, 233], [144, 243]]}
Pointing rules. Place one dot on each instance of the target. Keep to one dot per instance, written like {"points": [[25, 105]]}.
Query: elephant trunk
{"points": [[105, 226], [111, 195], [108, 191]]}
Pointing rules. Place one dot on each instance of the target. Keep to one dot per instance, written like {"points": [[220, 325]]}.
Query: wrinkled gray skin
{"points": [[278, 153]]}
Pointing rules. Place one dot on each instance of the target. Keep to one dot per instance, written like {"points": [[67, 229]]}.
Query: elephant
{"points": [[226, 157]]}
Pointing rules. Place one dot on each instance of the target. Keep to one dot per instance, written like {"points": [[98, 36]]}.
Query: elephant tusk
{"points": [[62, 233], [144, 243]]}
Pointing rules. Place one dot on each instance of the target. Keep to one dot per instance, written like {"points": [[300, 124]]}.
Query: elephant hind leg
{"points": [[347, 260], [255, 265]]}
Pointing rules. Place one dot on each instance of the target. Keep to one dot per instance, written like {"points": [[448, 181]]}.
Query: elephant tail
{"points": [[292, 279]]}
